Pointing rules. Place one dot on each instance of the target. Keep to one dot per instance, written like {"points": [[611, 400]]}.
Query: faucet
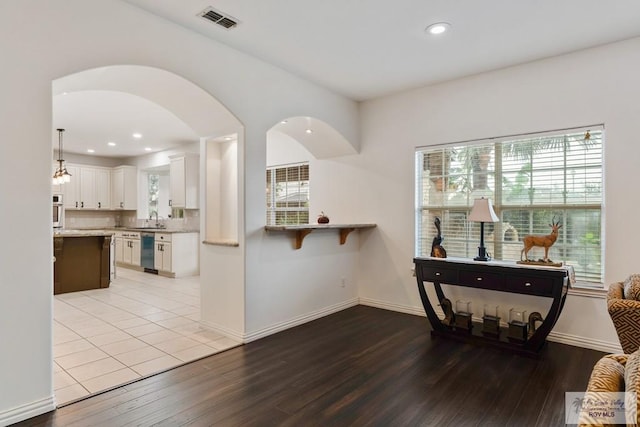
{"points": [[158, 225]]}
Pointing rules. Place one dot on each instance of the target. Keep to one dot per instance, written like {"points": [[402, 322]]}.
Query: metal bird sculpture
{"points": [[533, 318], [437, 251], [449, 315]]}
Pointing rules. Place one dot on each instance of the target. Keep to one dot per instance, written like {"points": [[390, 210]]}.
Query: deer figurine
{"points": [[541, 241]]}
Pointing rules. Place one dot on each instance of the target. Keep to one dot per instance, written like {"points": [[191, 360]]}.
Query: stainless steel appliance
{"points": [[58, 211], [147, 252]]}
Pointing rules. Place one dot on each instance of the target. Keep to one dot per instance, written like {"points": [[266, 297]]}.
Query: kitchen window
{"points": [[532, 180], [288, 194]]}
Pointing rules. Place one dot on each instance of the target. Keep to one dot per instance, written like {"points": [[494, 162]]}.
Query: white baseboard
{"points": [[559, 337], [230, 333], [416, 311], [577, 341], [29, 410], [297, 321]]}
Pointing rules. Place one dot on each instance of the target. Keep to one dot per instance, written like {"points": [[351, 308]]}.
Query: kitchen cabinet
{"points": [[71, 189], [128, 248], [162, 253], [103, 188], [124, 188], [175, 254], [82, 261], [184, 176], [185, 254], [89, 188], [131, 251]]}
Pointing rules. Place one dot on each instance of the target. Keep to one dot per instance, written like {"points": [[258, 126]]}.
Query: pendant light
{"points": [[61, 175]]}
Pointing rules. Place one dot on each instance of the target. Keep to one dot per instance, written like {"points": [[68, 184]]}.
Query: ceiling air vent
{"points": [[218, 17]]}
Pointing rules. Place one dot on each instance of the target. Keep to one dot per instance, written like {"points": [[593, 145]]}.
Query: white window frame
{"points": [[291, 215], [453, 202]]}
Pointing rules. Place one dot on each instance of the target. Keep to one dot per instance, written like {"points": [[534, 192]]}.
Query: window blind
{"points": [[532, 180], [288, 195]]}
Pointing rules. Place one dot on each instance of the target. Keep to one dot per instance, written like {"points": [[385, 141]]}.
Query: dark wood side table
{"points": [[502, 276]]}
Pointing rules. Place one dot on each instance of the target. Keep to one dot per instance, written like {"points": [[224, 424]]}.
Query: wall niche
{"points": [[221, 189]]}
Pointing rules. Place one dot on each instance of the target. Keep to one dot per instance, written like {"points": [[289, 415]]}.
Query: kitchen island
{"points": [[82, 260]]}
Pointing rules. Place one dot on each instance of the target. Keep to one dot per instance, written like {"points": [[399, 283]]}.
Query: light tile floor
{"points": [[142, 324]]}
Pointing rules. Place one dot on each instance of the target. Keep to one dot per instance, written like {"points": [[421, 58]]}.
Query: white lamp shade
{"points": [[482, 211]]}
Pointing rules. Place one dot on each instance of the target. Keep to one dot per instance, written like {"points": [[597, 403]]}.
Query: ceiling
{"points": [[95, 118], [369, 48], [360, 49]]}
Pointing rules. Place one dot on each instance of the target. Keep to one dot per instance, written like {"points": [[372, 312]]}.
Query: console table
{"points": [[550, 282]]}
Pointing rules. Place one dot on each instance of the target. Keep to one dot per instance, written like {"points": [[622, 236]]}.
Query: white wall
{"points": [[322, 275], [229, 197], [283, 150], [43, 41], [589, 87]]}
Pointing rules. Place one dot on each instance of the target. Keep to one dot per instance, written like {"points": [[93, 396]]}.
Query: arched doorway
{"points": [[207, 119]]}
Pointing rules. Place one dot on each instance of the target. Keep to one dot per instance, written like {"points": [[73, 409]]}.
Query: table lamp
{"points": [[482, 211]]}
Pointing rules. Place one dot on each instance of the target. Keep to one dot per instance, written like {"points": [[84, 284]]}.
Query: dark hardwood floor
{"points": [[360, 367]]}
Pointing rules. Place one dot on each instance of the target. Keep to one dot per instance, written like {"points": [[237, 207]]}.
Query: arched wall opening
{"points": [[219, 131], [60, 41], [301, 147], [212, 124], [289, 286]]}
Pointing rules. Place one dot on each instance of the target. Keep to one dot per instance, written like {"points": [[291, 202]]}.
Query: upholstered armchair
{"points": [[623, 303], [613, 373]]}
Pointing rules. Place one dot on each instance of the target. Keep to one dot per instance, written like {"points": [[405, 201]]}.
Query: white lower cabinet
{"points": [[128, 248], [175, 254], [162, 256], [132, 252]]}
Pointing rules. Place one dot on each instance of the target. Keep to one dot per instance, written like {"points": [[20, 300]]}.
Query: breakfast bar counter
{"points": [[82, 260]]}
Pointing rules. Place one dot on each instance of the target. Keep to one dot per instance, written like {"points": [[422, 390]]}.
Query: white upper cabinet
{"points": [[124, 187], [184, 173], [71, 189], [103, 188], [89, 188]]}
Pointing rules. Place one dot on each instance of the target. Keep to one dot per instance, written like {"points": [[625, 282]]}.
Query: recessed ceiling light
{"points": [[308, 131], [111, 144], [90, 150], [147, 149], [284, 122], [137, 135], [227, 138], [438, 28]]}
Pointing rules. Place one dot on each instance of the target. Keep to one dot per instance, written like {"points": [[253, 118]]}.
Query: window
{"points": [[532, 180], [288, 195], [154, 193]]}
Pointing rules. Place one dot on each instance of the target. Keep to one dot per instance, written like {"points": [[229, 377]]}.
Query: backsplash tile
{"points": [[90, 219], [108, 219]]}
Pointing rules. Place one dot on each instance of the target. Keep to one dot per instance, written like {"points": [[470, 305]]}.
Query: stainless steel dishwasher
{"points": [[147, 252]]}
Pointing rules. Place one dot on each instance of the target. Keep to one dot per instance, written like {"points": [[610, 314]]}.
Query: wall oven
{"points": [[58, 211]]}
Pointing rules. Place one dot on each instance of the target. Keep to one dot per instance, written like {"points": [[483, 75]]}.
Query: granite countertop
{"points": [[110, 231], [151, 230], [82, 233]]}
